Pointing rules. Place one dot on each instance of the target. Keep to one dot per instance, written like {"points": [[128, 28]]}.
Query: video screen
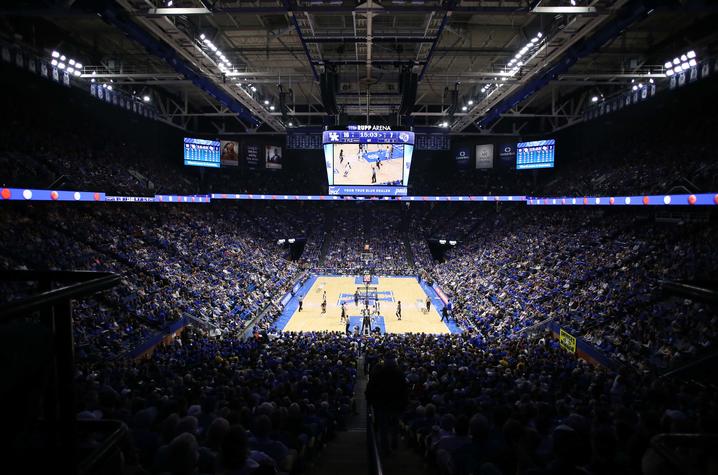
{"points": [[368, 163], [538, 154], [202, 153]]}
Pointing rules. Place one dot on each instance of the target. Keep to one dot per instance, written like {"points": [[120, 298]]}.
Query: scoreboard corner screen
{"points": [[536, 154], [201, 153]]}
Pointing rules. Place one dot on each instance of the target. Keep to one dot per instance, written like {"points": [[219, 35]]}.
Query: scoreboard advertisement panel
{"points": [[368, 162], [537, 154], [202, 153]]}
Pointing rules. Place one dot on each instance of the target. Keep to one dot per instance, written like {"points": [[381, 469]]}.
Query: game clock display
{"points": [[538, 154], [202, 153]]}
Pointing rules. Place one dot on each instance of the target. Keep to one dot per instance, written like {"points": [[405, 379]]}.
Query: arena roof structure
{"points": [[486, 67]]}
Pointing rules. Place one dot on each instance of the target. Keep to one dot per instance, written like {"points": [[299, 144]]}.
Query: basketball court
{"points": [[386, 291]]}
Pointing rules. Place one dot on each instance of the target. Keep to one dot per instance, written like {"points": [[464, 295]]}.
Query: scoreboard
{"points": [[201, 153], [304, 141], [368, 136], [433, 142], [537, 154]]}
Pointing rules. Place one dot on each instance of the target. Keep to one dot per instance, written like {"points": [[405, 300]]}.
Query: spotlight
{"points": [[635, 88], [676, 61], [202, 36], [72, 62], [109, 88], [539, 34], [471, 102], [691, 54], [640, 85], [266, 102], [685, 65], [146, 98], [77, 73], [70, 70], [573, 3], [668, 64], [254, 89], [291, 124], [170, 3], [650, 80], [61, 65], [464, 108], [53, 62], [92, 80], [55, 54], [684, 57], [594, 99], [62, 57], [692, 62], [78, 66], [271, 108]]}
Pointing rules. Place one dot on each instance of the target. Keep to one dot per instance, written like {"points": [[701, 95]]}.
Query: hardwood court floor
{"points": [[414, 318]]}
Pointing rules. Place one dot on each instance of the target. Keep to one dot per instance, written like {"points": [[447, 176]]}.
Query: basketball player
{"points": [[356, 298], [324, 307], [301, 302], [376, 306], [428, 304], [398, 310], [373, 174], [344, 313], [341, 156], [444, 314], [347, 169], [324, 296]]}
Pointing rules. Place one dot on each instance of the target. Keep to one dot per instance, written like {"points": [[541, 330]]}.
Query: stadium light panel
{"points": [[53, 62], [676, 61], [634, 88], [668, 64], [146, 98], [685, 65], [271, 108], [453, 243], [254, 89], [71, 62], [61, 65], [62, 57], [78, 66], [464, 108], [691, 54], [539, 34], [291, 124], [471, 102], [640, 84], [692, 62], [77, 73], [92, 80], [594, 99], [442, 241], [651, 81], [202, 36], [684, 57], [291, 240], [266, 102], [70, 69], [109, 87], [55, 54]]}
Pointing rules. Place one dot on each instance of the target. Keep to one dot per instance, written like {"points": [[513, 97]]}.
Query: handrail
{"points": [[90, 283], [373, 449]]}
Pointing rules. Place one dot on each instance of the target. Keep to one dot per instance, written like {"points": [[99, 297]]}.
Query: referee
{"points": [[398, 310]]}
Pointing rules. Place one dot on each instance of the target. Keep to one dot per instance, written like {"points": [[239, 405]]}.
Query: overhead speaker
{"points": [[407, 86], [328, 85]]}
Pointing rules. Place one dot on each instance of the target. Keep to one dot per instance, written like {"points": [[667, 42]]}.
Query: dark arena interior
{"points": [[359, 237]]}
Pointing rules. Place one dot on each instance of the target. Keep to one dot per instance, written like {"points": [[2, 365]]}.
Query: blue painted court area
{"points": [[360, 280], [382, 296], [437, 303], [397, 151], [293, 304], [355, 321]]}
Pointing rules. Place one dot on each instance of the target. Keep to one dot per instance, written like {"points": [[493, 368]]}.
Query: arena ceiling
{"points": [[517, 66]]}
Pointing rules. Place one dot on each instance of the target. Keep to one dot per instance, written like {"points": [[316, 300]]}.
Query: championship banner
{"points": [[251, 154], [485, 156], [567, 341]]}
